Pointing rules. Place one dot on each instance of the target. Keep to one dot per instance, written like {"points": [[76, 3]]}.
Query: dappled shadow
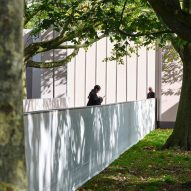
{"points": [[46, 82], [65, 148], [140, 169], [52, 82], [123, 184], [172, 71]]}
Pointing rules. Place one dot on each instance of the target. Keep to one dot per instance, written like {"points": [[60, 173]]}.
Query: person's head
{"points": [[150, 89], [97, 88]]}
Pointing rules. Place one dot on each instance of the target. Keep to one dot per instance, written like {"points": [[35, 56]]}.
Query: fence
{"points": [[67, 147]]}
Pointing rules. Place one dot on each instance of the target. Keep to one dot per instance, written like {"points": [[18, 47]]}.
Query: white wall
{"points": [[171, 87], [30, 105], [46, 83], [118, 83], [65, 148]]}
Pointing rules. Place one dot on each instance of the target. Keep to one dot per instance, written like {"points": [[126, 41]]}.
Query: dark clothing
{"points": [[150, 95], [94, 99]]}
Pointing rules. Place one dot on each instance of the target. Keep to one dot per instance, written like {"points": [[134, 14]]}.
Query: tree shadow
{"points": [[172, 71]]}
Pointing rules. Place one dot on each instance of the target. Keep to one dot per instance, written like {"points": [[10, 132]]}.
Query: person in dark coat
{"points": [[93, 98], [150, 94]]}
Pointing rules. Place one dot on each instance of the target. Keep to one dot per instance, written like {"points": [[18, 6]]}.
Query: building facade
{"points": [[119, 83]]}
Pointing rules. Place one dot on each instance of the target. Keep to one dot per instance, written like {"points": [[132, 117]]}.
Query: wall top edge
{"points": [[85, 107]]}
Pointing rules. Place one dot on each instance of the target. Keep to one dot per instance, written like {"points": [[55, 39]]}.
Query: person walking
{"points": [[93, 97]]}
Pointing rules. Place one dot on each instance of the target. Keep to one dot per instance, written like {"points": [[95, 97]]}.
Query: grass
{"points": [[145, 167]]}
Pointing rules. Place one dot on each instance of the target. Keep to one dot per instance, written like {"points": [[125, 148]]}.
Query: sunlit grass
{"points": [[145, 167]]}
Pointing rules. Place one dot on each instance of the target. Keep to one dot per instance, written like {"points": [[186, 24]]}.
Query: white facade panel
{"points": [[111, 77], [60, 82], [60, 75], [172, 74], [47, 86], [142, 61], [101, 66], [90, 70], [151, 68], [70, 81], [118, 83], [46, 83], [131, 77], [36, 74], [80, 79], [121, 81]]}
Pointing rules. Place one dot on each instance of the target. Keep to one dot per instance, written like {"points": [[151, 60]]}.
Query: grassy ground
{"points": [[145, 167]]}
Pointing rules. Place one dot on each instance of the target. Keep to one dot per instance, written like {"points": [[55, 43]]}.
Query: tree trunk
{"points": [[12, 165], [181, 136]]}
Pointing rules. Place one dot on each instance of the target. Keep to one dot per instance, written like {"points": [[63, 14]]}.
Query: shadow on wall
{"points": [[65, 148], [45, 76], [170, 113], [46, 81], [54, 78], [172, 71]]}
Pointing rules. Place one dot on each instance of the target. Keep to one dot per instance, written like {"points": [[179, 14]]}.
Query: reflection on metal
{"points": [[65, 148]]}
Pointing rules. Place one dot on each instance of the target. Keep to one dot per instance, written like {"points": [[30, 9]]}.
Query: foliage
{"points": [[146, 167], [81, 23], [125, 21]]}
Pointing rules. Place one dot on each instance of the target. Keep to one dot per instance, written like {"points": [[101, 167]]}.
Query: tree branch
{"points": [[177, 20], [78, 46], [28, 16], [31, 49], [75, 46], [44, 46], [139, 34], [53, 64], [122, 13]]}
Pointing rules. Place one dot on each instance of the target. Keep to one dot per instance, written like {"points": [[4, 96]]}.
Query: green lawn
{"points": [[145, 167]]}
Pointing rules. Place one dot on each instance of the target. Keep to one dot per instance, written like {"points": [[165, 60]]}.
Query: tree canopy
{"points": [[143, 22], [81, 23]]}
